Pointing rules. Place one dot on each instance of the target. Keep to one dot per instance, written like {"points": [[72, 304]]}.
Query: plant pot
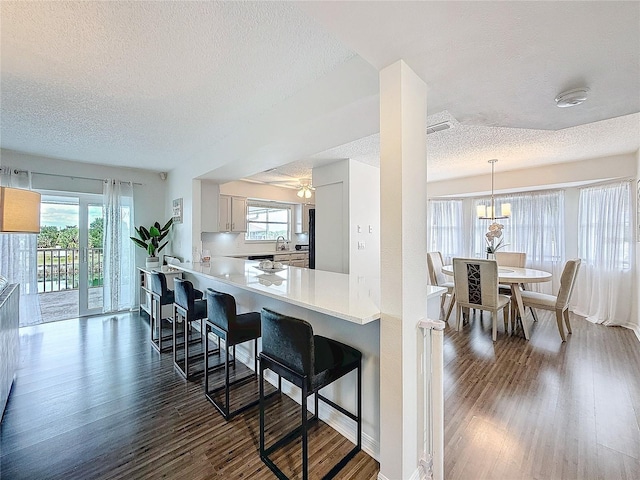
{"points": [[152, 262], [491, 256]]}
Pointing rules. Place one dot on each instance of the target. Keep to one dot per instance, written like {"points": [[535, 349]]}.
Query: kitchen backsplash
{"points": [[220, 244]]}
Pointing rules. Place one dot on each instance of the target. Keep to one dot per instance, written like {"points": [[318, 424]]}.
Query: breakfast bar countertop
{"points": [[335, 294], [340, 295]]}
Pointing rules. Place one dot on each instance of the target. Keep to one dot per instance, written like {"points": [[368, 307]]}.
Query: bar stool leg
{"points": [[173, 340], [305, 438], [226, 376]]}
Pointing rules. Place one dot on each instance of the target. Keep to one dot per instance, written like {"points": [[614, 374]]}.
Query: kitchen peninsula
{"points": [[340, 306]]}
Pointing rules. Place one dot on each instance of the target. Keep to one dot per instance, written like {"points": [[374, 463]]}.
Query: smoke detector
{"points": [[571, 98]]}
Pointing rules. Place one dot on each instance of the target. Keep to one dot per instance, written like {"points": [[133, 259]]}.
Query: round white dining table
{"points": [[514, 276]]}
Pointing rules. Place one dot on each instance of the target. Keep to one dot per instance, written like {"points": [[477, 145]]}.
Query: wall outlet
{"points": [[359, 229], [360, 245], [370, 228]]}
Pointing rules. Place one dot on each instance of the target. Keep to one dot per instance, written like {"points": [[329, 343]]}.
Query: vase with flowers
{"points": [[494, 239]]}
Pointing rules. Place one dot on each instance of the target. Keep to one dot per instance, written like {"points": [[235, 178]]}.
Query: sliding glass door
{"points": [[70, 256], [91, 257]]}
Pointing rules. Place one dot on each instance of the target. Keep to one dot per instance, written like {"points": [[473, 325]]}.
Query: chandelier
{"points": [[489, 212], [305, 191]]}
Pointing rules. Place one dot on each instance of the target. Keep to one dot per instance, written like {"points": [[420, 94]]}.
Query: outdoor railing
{"points": [[59, 268]]}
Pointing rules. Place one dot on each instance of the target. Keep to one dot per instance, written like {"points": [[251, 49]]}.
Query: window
{"points": [[266, 221], [446, 229], [536, 226], [605, 227]]}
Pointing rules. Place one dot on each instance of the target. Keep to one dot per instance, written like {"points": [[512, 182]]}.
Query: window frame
{"points": [[270, 205]]}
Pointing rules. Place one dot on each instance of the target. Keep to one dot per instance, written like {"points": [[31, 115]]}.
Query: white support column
{"points": [[403, 157]]}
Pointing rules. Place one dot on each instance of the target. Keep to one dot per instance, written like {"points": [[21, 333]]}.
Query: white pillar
{"points": [[403, 157]]}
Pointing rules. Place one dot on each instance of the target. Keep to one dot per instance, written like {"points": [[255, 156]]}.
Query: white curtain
{"points": [[604, 287], [446, 229], [18, 255], [536, 227], [119, 258]]}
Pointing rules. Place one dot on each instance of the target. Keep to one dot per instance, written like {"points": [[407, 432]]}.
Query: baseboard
{"points": [[416, 475], [328, 414]]}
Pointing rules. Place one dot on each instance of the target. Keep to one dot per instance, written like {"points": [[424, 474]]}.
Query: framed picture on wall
{"points": [[177, 210]]}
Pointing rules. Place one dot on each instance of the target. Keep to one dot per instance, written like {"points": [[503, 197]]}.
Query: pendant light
{"points": [[489, 212]]}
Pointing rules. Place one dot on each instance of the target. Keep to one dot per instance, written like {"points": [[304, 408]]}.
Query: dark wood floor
{"points": [[94, 400], [542, 409]]}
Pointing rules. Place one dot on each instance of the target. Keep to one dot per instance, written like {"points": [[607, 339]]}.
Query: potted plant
{"points": [[150, 239]]}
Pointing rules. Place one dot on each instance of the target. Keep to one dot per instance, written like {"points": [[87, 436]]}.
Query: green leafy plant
{"points": [[151, 238]]}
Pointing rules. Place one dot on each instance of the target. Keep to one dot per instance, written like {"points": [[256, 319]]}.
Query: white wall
{"points": [[635, 314], [601, 168], [348, 197], [364, 219], [332, 216], [149, 197]]}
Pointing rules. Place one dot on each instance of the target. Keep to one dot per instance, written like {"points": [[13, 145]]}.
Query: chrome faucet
{"points": [[280, 246]]}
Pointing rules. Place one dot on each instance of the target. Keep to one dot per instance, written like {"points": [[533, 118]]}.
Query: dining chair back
{"points": [[436, 277], [511, 259], [476, 286], [558, 303], [434, 265]]}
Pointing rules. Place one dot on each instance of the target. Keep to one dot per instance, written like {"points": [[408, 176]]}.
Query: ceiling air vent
{"points": [[438, 127]]}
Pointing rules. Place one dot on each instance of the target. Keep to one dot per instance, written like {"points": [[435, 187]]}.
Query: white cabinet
{"points": [[238, 214], [292, 259], [232, 214], [221, 213], [302, 218]]}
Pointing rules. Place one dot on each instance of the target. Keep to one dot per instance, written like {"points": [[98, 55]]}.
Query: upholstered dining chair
{"points": [[436, 277], [513, 259], [476, 286], [558, 303]]}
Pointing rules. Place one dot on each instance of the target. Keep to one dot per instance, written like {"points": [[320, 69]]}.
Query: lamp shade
{"points": [[19, 211]]}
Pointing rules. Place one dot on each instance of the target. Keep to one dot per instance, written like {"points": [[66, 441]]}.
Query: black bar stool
{"points": [[233, 329], [311, 362], [160, 296], [188, 308]]}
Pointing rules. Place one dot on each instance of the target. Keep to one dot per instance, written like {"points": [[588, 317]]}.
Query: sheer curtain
{"points": [[446, 229], [604, 288], [18, 255], [119, 258], [536, 227]]}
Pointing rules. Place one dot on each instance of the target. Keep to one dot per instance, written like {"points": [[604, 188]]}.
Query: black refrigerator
{"points": [[312, 238]]}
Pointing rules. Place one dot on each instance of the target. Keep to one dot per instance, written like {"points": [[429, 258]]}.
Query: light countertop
{"points": [[269, 252], [344, 296], [335, 294]]}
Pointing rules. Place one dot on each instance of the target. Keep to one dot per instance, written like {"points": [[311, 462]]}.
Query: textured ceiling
{"points": [[149, 83], [503, 63], [231, 89]]}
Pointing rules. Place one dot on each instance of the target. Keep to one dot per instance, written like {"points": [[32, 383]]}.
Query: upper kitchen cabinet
{"points": [[232, 214], [302, 218], [222, 213]]}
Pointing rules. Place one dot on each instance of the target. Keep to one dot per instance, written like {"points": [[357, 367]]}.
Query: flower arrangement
{"points": [[492, 236]]}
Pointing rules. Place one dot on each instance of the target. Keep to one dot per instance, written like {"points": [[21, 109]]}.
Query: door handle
{"points": [[84, 255]]}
